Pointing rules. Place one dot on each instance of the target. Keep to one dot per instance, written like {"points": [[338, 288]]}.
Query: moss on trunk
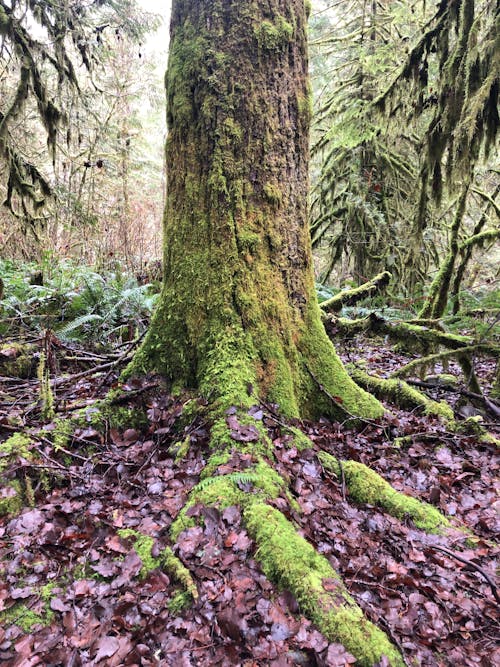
{"points": [[238, 312], [238, 320]]}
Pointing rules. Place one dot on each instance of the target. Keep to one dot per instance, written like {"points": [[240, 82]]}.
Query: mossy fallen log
{"points": [[401, 394], [352, 296], [430, 360], [17, 360], [367, 486], [409, 333]]}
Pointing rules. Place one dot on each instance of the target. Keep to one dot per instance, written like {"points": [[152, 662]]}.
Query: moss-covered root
{"points": [[171, 564], [400, 393], [293, 564], [167, 560], [366, 486], [352, 296]]}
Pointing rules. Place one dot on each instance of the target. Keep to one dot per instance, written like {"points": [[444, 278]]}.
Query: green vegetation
{"points": [[75, 301], [366, 486], [27, 618]]}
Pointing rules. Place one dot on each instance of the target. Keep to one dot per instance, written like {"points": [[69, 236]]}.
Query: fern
{"points": [[77, 323], [235, 477]]}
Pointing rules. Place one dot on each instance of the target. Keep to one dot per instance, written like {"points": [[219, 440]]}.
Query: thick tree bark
{"points": [[238, 313]]}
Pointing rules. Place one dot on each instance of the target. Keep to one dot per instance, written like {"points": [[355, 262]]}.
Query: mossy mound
{"points": [[17, 360]]}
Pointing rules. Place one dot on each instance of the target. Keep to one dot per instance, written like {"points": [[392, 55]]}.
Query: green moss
{"points": [[21, 364], [171, 564], [401, 393], [181, 522], [330, 377], [215, 460], [225, 372], [226, 490], [17, 445], [274, 36], [185, 64], [61, 435], [300, 441], [121, 417], [181, 448], [308, 7], [45, 389], [11, 497], [366, 486], [293, 564], [16, 493], [474, 426], [26, 618], [179, 603], [273, 194], [142, 545], [166, 560], [248, 241], [305, 104]]}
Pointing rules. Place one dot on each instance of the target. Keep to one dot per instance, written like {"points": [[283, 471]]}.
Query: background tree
{"points": [[442, 123], [54, 57]]}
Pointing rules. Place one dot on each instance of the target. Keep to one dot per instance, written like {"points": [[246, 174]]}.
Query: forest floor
{"points": [[72, 591]]}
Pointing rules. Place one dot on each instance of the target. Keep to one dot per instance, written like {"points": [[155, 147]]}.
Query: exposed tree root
{"points": [[289, 560], [286, 557], [167, 561], [399, 392], [352, 296], [366, 486]]}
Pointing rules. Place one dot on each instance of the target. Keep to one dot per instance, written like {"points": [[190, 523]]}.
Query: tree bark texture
{"points": [[238, 312]]}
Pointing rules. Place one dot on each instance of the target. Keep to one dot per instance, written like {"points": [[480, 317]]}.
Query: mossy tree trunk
{"points": [[238, 312]]}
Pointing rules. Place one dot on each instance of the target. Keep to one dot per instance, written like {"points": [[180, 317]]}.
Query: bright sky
{"points": [[161, 7]]}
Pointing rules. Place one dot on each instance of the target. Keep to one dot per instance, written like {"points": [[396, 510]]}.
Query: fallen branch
{"points": [[400, 393], [352, 296], [488, 404], [473, 566]]}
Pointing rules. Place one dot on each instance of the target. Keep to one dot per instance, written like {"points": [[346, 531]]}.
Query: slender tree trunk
{"points": [[238, 313]]}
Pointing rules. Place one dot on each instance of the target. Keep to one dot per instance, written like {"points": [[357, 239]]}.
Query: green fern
{"points": [[77, 323], [235, 477]]}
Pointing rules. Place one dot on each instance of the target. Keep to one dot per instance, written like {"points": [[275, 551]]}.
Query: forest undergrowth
{"points": [[83, 575]]}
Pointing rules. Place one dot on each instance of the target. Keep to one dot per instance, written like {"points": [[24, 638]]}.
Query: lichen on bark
{"points": [[238, 311]]}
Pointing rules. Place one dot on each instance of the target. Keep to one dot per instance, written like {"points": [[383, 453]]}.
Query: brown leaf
{"points": [[107, 646]]}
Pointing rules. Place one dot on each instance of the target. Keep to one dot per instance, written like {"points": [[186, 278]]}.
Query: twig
{"points": [[125, 396], [342, 479], [473, 566]]}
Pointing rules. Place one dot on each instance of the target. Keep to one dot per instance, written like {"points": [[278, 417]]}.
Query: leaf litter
{"points": [[67, 568]]}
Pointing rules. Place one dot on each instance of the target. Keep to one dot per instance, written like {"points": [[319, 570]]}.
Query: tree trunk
{"points": [[238, 314]]}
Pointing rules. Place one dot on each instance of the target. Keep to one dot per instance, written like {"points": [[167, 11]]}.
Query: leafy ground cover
{"points": [[77, 588]]}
